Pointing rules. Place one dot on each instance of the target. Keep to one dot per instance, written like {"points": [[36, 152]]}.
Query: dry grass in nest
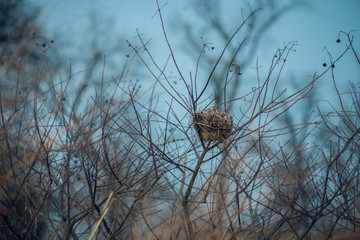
{"points": [[213, 125]]}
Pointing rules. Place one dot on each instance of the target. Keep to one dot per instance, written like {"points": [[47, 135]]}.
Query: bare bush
{"points": [[120, 168]]}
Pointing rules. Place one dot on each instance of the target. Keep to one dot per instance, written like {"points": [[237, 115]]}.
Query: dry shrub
{"points": [[213, 125]]}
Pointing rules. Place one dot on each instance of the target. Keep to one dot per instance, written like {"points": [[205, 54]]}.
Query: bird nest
{"points": [[213, 125]]}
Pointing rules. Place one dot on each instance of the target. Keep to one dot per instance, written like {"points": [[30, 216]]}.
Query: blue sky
{"points": [[70, 23], [312, 28]]}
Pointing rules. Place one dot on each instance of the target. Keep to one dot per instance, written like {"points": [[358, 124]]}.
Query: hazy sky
{"points": [[71, 23]]}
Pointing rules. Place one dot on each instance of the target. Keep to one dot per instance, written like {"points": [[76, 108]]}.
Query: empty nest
{"points": [[213, 125]]}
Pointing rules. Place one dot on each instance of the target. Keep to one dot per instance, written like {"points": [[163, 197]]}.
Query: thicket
{"points": [[217, 165]]}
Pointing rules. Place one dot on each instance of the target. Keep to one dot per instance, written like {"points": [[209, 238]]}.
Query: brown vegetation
{"points": [[115, 167]]}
